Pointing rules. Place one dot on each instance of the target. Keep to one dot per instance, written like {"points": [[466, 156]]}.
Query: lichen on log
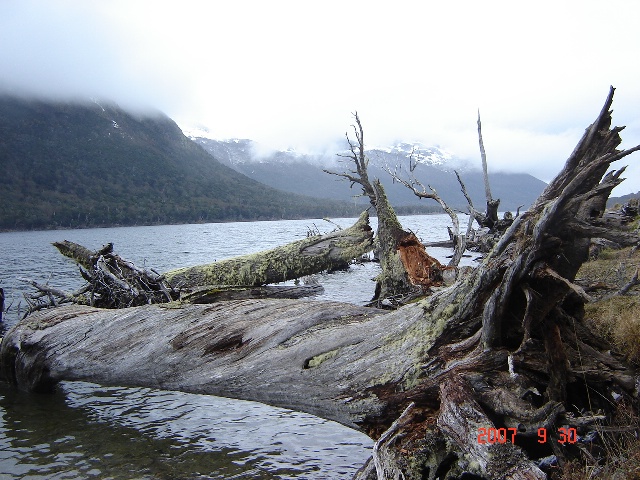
{"points": [[295, 260], [114, 282], [505, 349]]}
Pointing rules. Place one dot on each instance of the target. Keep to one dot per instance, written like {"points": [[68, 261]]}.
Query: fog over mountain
{"points": [[303, 173], [289, 74], [93, 164]]}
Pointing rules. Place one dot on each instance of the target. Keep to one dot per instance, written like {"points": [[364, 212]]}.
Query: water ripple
{"points": [[89, 431]]}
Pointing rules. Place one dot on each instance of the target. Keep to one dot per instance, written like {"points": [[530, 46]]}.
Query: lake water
{"points": [[89, 431]]}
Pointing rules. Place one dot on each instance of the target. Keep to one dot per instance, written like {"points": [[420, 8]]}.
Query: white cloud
{"points": [[289, 73]]}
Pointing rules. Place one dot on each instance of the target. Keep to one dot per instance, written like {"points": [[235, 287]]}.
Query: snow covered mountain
{"points": [[418, 153], [302, 173]]}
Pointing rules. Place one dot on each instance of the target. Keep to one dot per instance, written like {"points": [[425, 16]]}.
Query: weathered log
{"points": [[295, 260], [285, 351], [504, 350], [217, 293], [114, 282]]}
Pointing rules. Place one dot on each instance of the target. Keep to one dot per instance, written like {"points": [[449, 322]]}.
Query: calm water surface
{"points": [[89, 431]]}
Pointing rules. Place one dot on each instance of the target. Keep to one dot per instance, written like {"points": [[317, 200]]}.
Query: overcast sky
{"points": [[290, 73]]}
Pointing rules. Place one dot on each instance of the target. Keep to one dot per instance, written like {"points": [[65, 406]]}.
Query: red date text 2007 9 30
{"points": [[504, 435]]}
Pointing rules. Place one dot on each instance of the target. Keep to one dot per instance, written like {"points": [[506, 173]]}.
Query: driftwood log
{"points": [[462, 384], [113, 282], [305, 257]]}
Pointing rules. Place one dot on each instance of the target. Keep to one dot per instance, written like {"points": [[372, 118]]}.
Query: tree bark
{"points": [[305, 257], [458, 385], [115, 282], [407, 270]]}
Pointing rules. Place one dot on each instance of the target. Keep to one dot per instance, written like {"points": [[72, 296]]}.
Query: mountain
{"points": [[303, 174], [622, 199], [95, 164]]}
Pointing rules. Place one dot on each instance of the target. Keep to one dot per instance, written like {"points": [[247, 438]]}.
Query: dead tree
{"points": [[497, 377], [484, 240], [488, 219], [406, 268], [491, 214], [113, 282], [419, 190]]}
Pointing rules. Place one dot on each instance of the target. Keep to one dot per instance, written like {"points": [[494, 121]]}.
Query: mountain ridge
{"points": [[90, 164], [303, 173]]}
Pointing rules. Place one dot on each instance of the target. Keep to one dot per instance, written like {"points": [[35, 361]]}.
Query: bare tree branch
{"points": [[47, 296], [476, 214], [360, 160], [625, 288], [483, 155], [459, 241]]}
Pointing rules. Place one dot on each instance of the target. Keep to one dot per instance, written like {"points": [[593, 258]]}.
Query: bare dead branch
{"points": [[348, 176], [625, 288], [420, 191], [483, 155], [360, 161], [476, 214], [47, 296]]}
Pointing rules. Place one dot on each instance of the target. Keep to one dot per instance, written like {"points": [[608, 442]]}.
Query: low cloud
{"points": [[289, 74]]}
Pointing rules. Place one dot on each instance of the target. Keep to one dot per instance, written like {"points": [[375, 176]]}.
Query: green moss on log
{"points": [[304, 257], [319, 359]]}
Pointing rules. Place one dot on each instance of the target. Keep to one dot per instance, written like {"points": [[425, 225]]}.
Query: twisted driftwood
{"points": [[462, 384], [113, 282]]}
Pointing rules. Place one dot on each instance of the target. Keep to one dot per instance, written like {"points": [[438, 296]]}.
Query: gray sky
{"points": [[289, 73]]}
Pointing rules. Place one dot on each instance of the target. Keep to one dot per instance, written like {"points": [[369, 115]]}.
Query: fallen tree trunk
{"points": [[114, 282], [286, 344], [305, 257], [490, 378], [211, 294]]}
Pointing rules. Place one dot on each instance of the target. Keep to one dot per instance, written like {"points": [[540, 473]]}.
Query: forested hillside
{"points": [[93, 164]]}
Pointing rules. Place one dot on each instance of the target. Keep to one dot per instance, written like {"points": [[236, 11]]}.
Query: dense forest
{"points": [[89, 164]]}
